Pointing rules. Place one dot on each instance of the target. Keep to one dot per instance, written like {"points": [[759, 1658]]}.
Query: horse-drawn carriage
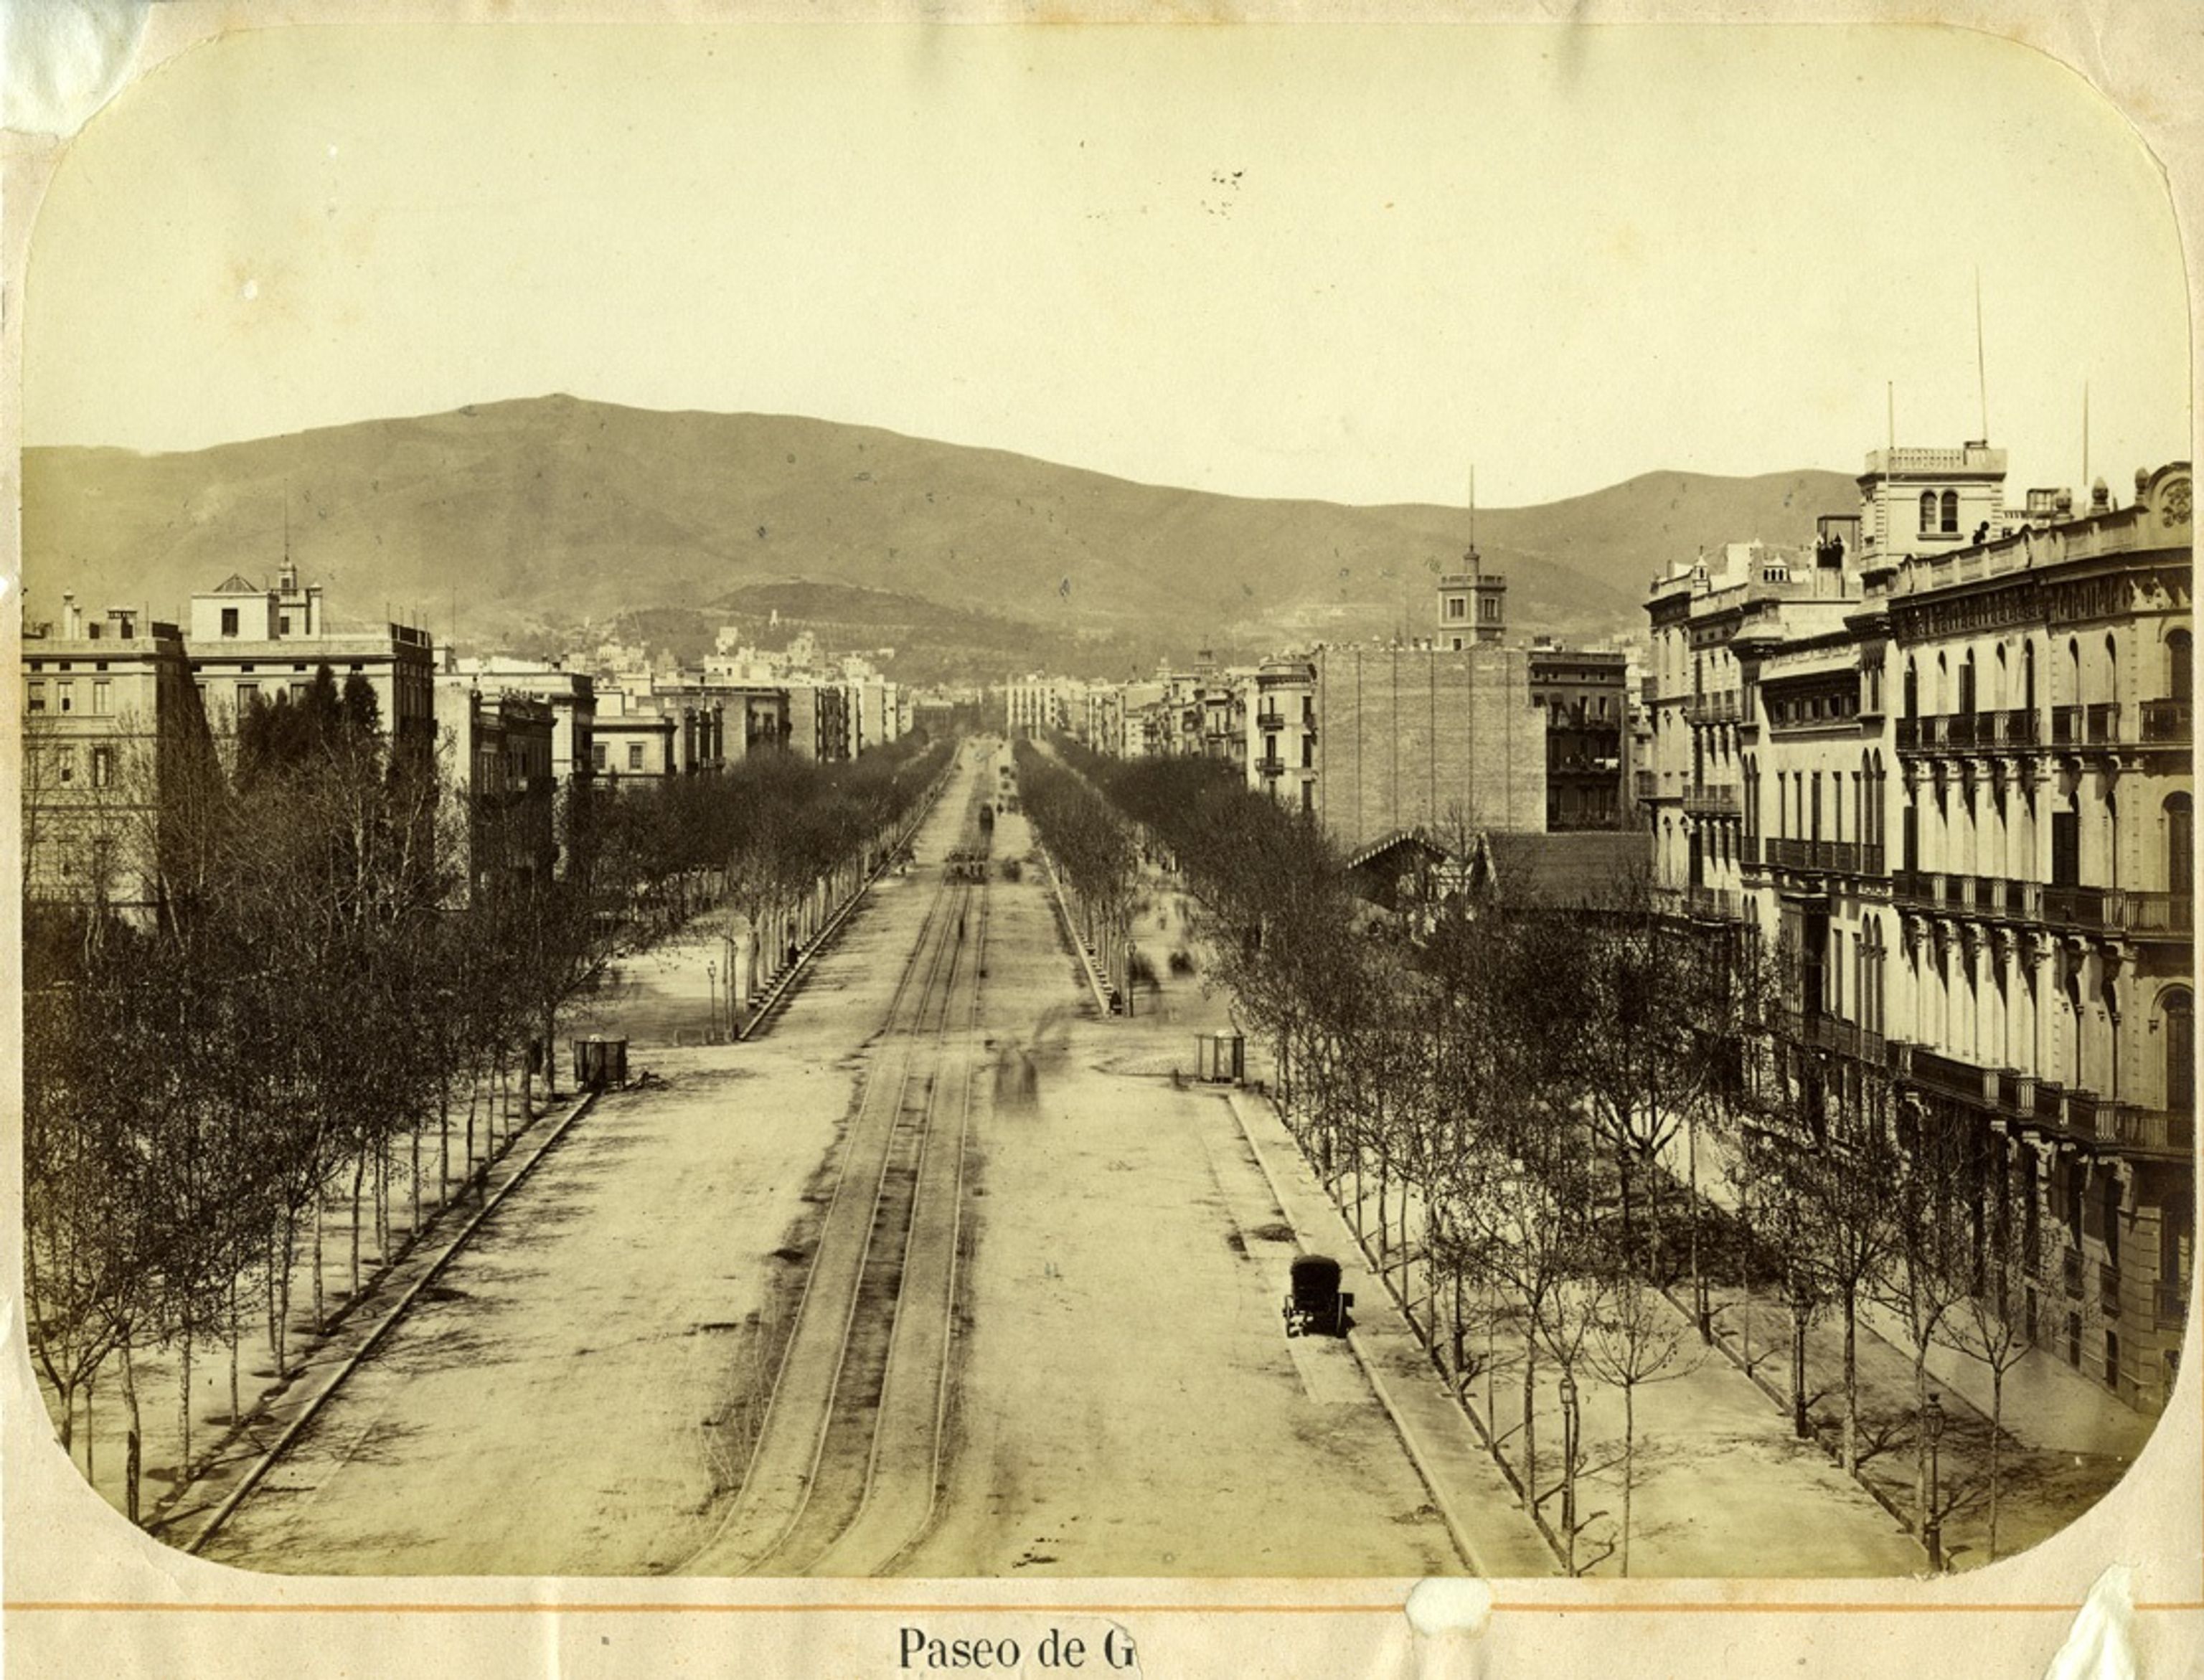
{"points": [[1315, 1305]]}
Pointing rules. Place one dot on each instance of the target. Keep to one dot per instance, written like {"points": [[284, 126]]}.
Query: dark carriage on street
{"points": [[1314, 1303]]}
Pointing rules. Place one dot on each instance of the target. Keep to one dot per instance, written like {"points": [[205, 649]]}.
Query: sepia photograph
{"points": [[820, 803]]}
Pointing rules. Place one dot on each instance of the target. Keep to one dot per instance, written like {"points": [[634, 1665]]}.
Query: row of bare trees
{"points": [[1574, 1116], [1096, 854], [260, 991]]}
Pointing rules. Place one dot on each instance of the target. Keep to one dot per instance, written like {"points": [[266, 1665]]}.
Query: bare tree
{"points": [[1634, 1339]]}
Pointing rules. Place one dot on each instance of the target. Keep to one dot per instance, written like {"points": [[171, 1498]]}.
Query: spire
{"points": [[287, 579], [1476, 566]]}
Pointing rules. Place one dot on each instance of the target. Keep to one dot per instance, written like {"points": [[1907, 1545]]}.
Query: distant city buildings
{"points": [[110, 702], [1455, 731]]}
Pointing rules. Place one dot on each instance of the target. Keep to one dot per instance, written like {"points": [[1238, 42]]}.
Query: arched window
{"points": [[2180, 1009], [2112, 669], [2177, 657], [1951, 521], [1927, 511], [1912, 690], [2180, 843], [2028, 678]]}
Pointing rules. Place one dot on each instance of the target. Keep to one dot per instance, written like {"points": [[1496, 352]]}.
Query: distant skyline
{"points": [[1341, 263]]}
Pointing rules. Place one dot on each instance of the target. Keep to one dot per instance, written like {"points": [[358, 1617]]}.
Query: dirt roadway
{"points": [[571, 1397], [1128, 1402]]}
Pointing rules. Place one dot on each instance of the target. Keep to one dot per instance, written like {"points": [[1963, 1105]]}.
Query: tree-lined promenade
{"points": [[318, 1017], [1576, 1140]]}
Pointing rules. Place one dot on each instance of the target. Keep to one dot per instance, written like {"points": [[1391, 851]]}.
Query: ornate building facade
{"points": [[1949, 769]]}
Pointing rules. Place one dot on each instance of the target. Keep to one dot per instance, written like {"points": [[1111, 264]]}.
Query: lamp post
{"points": [[1569, 1467], [1932, 1424], [712, 986]]}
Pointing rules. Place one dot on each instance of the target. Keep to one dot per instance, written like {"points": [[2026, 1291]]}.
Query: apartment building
{"points": [[1960, 755], [108, 703], [503, 774], [248, 643]]}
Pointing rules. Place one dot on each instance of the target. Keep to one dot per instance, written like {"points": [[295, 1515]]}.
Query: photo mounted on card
{"points": [[1131, 820]]}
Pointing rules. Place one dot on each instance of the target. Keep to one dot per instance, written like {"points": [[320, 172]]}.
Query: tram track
{"points": [[844, 1472]]}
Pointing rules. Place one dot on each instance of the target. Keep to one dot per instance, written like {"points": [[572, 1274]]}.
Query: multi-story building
{"points": [[1426, 738], [502, 772], [1282, 738], [1713, 621], [698, 712], [108, 703], [1032, 706], [1964, 809], [818, 720], [248, 643], [1581, 690], [2045, 887], [632, 738], [571, 695]]}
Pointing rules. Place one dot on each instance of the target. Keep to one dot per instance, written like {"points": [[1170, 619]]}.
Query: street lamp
{"points": [[1569, 1466], [1932, 1425], [711, 987]]}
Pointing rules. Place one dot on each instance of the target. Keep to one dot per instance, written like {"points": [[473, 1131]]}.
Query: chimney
{"points": [[72, 618]]}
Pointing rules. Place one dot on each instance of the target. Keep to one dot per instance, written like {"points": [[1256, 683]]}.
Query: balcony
{"points": [[2171, 913], [1270, 768], [2156, 1131], [1827, 857], [2167, 723], [2095, 725], [1712, 802], [1714, 904], [2096, 909], [1951, 1077], [2167, 915], [1846, 1037], [1717, 707], [1970, 731]]}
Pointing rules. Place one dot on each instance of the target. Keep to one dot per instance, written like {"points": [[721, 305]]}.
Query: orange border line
{"points": [[937, 1608]]}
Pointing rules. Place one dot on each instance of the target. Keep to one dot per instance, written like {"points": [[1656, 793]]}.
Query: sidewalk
{"points": [[2066, 1443], [228, 1474], [1718, 1485], [1478, 1504], [2066, 1439]]}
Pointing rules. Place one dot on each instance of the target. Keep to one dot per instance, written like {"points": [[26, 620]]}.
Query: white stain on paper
{"points": [[61, 60]]}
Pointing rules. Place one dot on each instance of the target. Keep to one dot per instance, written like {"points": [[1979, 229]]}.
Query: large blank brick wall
{"points": [[1411, 737]]}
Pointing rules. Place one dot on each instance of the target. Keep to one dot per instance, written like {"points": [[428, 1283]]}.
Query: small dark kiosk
{"points": [[1316, 1306]]}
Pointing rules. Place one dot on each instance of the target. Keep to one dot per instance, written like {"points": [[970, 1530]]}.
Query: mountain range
{"points": [[547, 523]]}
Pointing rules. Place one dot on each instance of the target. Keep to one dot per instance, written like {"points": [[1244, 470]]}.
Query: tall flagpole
{"points": [[1981, 366]]}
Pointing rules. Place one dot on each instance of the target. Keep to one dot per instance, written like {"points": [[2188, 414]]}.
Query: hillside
{"points": [[509, 521]]}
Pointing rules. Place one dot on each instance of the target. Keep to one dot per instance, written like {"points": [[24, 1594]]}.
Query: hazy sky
{"points": [[1340, 263]]}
